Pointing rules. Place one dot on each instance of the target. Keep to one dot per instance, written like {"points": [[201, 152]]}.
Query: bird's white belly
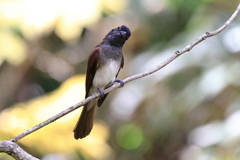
{"points": [[106, 74]]}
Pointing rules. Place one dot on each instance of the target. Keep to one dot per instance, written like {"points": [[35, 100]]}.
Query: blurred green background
{"points": [[190, 110]]}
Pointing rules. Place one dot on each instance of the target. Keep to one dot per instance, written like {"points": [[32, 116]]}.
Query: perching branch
{"points": [[15, 151], [131, 78]]}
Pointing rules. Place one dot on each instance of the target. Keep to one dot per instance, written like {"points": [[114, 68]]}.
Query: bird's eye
{"points": [[112, 29], [118, 28]]}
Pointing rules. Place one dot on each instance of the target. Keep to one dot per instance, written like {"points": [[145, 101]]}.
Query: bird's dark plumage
{"points": [[104, 64]]}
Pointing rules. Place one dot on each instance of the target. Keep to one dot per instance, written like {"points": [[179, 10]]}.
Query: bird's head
{"points": [[118, 36]]}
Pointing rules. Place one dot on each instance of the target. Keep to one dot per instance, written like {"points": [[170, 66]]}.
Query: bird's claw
{"points": [[101, 92], [120, 81]]}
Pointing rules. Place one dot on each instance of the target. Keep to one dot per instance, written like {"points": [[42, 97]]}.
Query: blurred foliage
{"points": [[188, 110]]}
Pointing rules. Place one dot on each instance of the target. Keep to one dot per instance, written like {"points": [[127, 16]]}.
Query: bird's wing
{"points": [[122, 63], [93, 64]]}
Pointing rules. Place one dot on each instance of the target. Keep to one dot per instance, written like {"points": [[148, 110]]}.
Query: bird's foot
{"points": [[120, 81], [101, 92]]}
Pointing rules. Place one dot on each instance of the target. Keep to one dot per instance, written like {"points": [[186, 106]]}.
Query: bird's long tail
{"points": [[85, 121]]}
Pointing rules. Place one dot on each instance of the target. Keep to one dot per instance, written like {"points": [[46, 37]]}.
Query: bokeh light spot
{"points": [[129, 136], [232, 39], [12, 48]]}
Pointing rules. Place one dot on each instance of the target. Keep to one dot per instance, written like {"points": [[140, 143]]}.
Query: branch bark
{"points": [[15, 151], [131, 78]]}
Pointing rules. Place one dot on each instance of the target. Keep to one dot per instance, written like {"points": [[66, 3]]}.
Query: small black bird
{"points": [[104, 64]]}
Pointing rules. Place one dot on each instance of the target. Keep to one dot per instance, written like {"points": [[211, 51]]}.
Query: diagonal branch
{"points": [[131, 78]]}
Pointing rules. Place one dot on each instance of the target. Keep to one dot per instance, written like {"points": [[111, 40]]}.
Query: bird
{"points": [[104, 64]]}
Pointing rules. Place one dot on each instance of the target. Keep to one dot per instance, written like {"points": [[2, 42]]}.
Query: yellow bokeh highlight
{"points": [[12, 48], [58, 136], [32, 17], [115, 6], [77, 14], [67, 17]]}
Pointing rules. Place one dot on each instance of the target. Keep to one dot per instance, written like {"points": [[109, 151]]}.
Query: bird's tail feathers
{"points": [[85, 121]]}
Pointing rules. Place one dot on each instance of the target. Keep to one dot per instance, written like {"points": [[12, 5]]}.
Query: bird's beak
{"points": [[123, 33]]}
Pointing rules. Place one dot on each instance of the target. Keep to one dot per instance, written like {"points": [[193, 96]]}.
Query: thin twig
{"points": [[131, 78]]}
